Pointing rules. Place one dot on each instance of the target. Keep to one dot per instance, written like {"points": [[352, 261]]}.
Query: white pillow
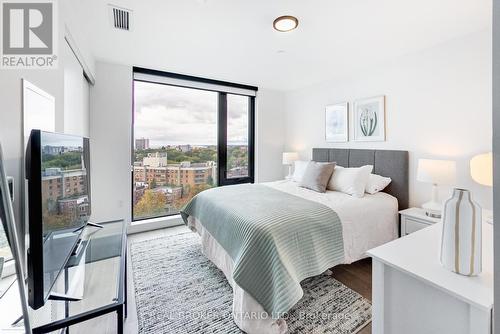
{"points": [[351, 181], [299, 170], [376, 183]]}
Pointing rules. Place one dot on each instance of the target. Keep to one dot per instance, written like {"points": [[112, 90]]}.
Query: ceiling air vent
{"points": [[120, 17]]}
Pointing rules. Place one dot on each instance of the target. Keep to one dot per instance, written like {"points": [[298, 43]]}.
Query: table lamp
{"points": [[436, 172], [481, 171], [288, 159]]}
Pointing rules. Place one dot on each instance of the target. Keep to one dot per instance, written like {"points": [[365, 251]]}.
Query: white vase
{"points": [[461, 239]]}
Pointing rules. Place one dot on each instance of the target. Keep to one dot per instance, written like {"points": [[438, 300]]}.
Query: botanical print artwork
{"points": [[369, 119], [336, 122]]}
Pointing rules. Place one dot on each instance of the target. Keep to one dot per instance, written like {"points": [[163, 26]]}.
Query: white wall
{"points": [[110, 140], [425, 93], [270, 135], [11, 116], [76, 14], [76, 95], [438, 105], [11, 119]]}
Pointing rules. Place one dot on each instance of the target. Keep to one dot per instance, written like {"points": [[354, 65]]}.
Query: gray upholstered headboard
{"points": [[388, 163]]}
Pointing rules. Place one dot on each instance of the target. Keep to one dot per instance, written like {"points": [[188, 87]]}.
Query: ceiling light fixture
{"points": [[285, 23]]}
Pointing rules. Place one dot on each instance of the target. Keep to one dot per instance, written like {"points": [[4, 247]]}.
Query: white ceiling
{"points": [[234, 40]]}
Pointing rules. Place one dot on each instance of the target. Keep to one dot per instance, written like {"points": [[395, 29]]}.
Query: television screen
{"points": [[65, 200], [59, 206]]}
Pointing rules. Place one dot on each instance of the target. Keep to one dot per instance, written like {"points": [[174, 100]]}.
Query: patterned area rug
{"points": [[178, 290]]}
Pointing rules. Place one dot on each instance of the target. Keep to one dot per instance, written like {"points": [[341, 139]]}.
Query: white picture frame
{"points": [[368, 119], [337, 122]]}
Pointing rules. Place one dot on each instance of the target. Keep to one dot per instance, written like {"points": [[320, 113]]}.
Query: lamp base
{"points": [[433, 209], [290, 175]]}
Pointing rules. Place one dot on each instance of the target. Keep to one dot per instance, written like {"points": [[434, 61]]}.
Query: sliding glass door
{"points": [[187, 138]]}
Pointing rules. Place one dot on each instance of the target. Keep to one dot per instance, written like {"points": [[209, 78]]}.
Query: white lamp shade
{"points": [[481, 169], [290, 157], [443, 172]]}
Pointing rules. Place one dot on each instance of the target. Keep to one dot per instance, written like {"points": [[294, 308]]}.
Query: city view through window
{"points": [[175, 145]]}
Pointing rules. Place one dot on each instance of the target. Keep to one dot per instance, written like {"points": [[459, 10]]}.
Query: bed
{"points": [[266, 238]]}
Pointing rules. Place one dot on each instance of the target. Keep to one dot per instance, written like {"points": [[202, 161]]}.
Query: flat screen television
{"points": [[58, 174]]}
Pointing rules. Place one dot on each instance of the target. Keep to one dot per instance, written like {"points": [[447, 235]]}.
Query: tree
{"points": [[191, 192], [152, 184], [152, 203]]}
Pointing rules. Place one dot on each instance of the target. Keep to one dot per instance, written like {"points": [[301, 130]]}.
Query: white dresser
{"points": [[414, 294]]}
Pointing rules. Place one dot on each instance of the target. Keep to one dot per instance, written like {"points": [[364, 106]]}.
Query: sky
{"points": [[169, 115], [55, 139]]}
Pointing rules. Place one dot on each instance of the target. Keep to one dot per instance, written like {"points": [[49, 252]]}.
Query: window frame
{"points": [[222, 179], [184, 80]]}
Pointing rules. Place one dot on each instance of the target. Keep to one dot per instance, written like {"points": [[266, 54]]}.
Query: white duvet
{"points": [[367, 222]]}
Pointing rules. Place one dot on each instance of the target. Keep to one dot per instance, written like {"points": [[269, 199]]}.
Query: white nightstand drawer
{"points": [[413, 225], [414, 219]]}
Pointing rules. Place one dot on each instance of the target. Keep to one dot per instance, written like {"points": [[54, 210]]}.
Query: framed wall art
{"points": [[369, 119], [337, 122]]}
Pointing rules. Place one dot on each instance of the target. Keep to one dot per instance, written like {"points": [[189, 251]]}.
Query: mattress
{"points": [[366, 223]]}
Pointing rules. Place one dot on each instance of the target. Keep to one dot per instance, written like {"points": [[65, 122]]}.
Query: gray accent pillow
{"points": [[317, 175]]}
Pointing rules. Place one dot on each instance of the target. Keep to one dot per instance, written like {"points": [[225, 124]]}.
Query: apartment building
{"points": [[141, 143], [185, 173], [63, 189]]}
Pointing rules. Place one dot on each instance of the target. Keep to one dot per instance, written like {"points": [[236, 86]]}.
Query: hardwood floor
{"points": [[357, 276]]}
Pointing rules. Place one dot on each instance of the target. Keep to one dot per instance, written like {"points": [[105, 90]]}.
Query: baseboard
{"points": [[154, 224]]}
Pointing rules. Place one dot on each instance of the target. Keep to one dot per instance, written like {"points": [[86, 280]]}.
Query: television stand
{"points": [[100, 265]]}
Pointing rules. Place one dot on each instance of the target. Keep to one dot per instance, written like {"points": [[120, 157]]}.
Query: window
{"points": [[237, 136], [189, 134]]}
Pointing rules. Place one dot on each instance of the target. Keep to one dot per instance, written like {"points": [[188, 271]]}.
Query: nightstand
{"points": [[414, 219]]}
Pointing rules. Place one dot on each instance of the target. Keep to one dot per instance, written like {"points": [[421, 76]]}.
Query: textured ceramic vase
{"points": [[461, 239]]}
